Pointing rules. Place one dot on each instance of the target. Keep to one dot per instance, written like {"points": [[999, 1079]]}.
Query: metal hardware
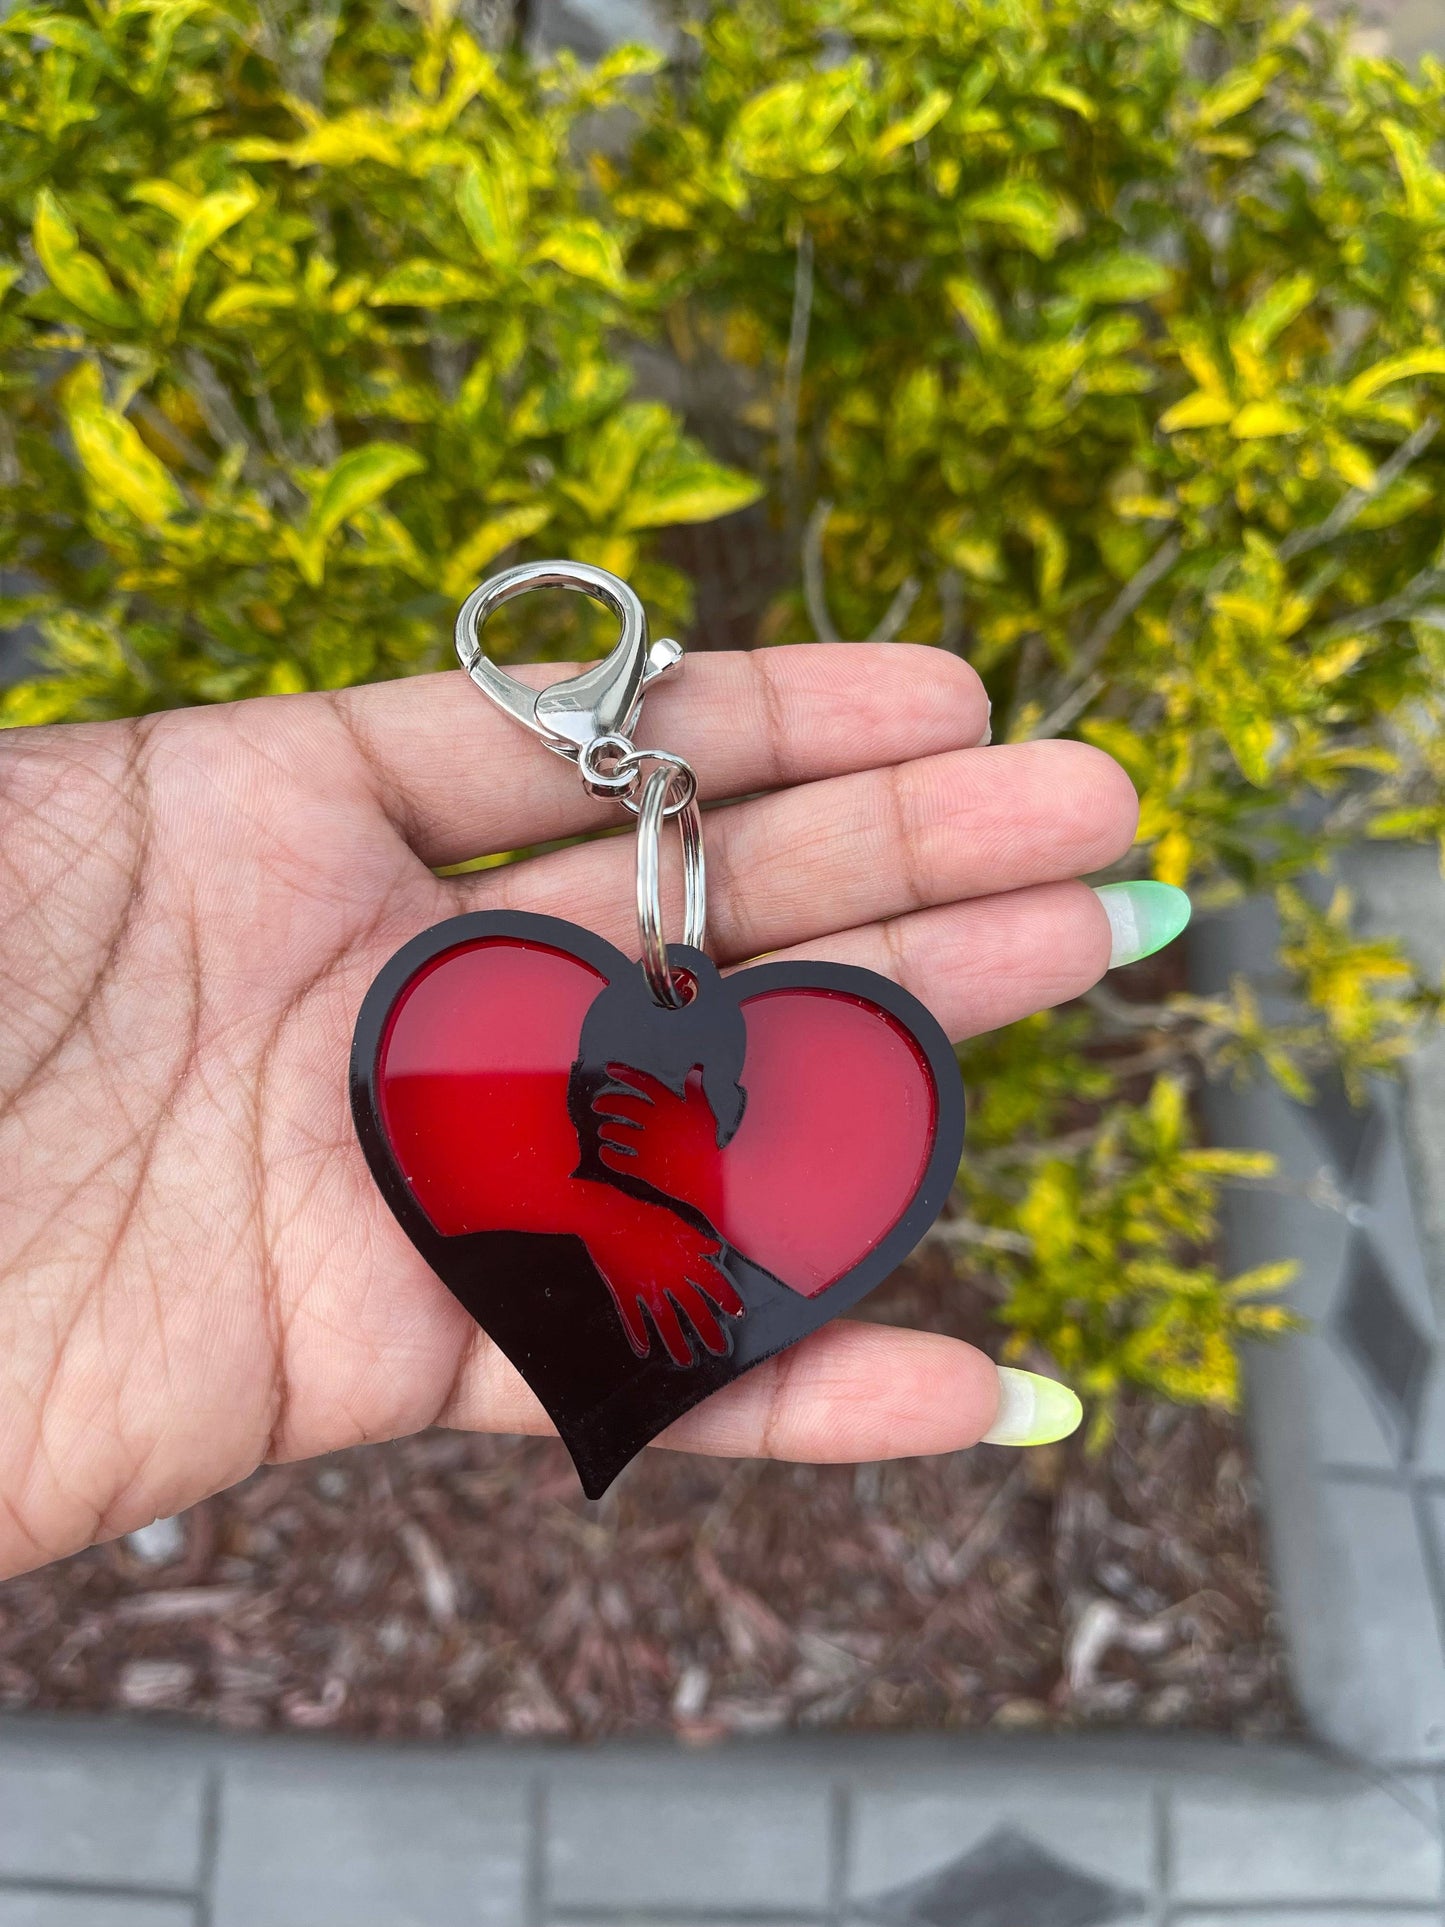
{"points": [[604, 701], [591, 720], [665, 985]]}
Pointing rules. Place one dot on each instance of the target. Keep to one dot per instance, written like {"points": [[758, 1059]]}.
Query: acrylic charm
{"points": [[642, 1179]]}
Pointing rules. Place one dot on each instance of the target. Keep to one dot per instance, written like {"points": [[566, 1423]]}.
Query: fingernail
{"points": [[1032, 1410], [1143, 917]]}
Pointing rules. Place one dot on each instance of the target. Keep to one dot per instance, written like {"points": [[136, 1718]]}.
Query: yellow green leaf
{"points": [[696, 490], [249, 297], [203, 226], [976, 305], [361, 477], [1199, 410], [487, 541], [1116, 277], [425, 284], [1273, 311], [1036, 218], [925, 116], [492, 201], [585, 249], [119, 468], [1259, 418], [1236, 91], [787, 129], [73, 273], [1406, 367]]}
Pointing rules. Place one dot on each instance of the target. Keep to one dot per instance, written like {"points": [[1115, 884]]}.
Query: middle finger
{"points": [[801, 863]]}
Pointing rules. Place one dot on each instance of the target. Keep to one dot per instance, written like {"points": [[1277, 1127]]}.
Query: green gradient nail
{"points": [[1032, 1410], [1143, 917]]}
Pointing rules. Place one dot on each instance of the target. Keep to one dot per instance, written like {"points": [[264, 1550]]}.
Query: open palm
{"points": [[196, 1273]]}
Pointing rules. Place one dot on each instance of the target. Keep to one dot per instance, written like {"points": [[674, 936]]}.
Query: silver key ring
{"points": [[666, 987]]}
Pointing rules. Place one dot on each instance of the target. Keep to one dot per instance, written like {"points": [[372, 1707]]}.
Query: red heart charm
{"points": [[638, 1204]]}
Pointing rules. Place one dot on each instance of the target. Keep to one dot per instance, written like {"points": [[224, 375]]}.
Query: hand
{"points": [[665, 1138], [683, 1279], [196, 1272]]}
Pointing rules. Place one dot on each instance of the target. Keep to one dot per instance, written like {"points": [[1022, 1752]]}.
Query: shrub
{"points": [[1101, 340], [1098, 339], [305, 325]]}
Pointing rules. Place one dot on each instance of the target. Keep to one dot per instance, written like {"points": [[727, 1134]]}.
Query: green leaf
{"points": [[1269, 315], [360, 478], [249, 297], [585, 249], [1034, 216], [487, 541], [1202, 409], [1405, 367], [119, 468], [425, 284], [1236, 91], [1116, 277], [925, 116], [695, 490], [492, 201], [73, 273], [202, 228], [787, 129], [1260, 418], [977, 307]]}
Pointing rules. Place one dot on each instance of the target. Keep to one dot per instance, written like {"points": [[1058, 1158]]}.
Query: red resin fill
{"points": [[837, 1131]]}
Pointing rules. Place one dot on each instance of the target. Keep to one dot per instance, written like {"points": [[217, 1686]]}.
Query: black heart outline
{"points": [[603, 1433]]}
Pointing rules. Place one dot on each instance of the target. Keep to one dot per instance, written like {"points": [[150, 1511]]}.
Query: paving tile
{"points": [[693, 1833], [92, 1910], [1364, 1636], [1394, 1917], [372, 1839], [912, 1828], [1347, 1841], [111, 1815]]}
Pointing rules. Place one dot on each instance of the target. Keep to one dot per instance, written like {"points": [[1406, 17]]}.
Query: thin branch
{"points": [[1072, 706], [950, 601], [1086, 682], [815, 588], [789, 454], [964, 1231], [1351, 504], [897, 612], [1414, 597]]}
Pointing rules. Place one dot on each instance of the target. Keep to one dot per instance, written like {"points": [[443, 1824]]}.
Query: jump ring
{"points": [[616, 782], [682, 779], [651, 813]]}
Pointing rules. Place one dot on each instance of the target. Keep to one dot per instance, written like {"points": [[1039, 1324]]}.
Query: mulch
{"points": [[452, 1585]]}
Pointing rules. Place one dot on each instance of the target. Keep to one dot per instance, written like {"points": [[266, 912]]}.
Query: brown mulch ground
{"points": [[453, 1585]]}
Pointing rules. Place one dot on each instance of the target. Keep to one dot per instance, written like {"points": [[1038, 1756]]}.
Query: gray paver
{"points": [[92, 1910], [1354, 1918], [1366, 1653], [692, 1833], [372, 1840], [1317, 1841], [910, 1828], [87, 1812]]}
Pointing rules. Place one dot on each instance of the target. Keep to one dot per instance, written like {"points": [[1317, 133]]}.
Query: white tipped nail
{"points": [[1032, 1410]]}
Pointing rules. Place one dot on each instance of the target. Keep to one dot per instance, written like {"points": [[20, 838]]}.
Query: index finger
{"points": [[462, 780]]}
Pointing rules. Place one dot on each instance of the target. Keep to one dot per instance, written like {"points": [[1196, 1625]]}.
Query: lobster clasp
{"points": [[604, 701]]}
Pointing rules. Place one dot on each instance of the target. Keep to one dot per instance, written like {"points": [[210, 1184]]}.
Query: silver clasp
{"points": [[602, 705]]}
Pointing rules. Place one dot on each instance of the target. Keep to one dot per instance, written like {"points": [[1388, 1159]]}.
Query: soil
{"points": [[453, 1585]]}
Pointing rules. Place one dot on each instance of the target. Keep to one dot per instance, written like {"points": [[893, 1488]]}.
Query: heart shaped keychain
{"points": [[641, 1180]]}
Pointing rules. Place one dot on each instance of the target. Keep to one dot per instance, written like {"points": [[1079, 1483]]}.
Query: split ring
{"points": [[651, 812]]}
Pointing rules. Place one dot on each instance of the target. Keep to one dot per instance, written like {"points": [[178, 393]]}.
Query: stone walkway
{"points": [[113, 1826]]}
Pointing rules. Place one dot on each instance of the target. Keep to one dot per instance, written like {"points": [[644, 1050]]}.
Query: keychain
{"points": [[641, 1179]]}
